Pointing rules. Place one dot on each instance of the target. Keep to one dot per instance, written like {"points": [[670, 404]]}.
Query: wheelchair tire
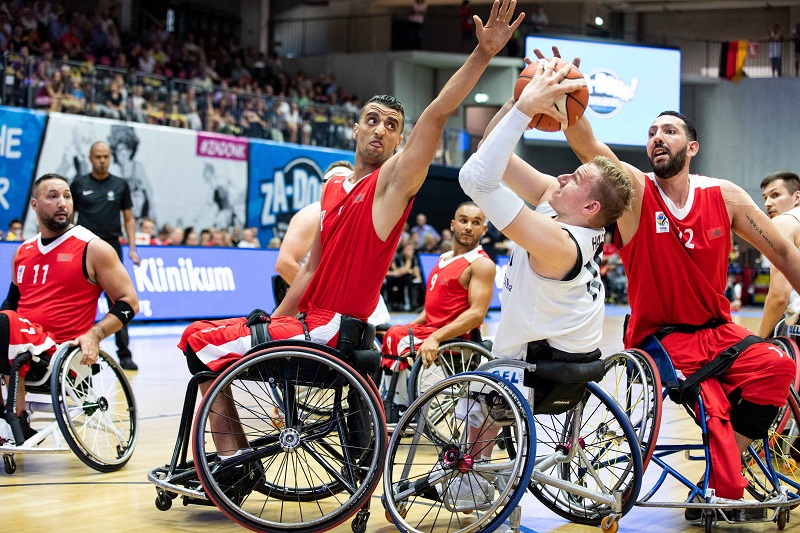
{"points": [[95, 409], [420, 476], [632, 378], [454, 358], [784, 451], [610, 446], [329, 448]]}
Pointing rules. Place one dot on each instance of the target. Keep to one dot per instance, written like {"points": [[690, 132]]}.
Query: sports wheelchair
{"points": [[314, 439], [645, 377], [91, 409], [576, 451]]}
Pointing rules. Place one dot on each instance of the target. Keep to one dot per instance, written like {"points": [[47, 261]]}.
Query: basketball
{"points": [[572, 104]]}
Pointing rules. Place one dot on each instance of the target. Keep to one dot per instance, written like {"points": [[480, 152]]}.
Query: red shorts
{"points": [[397, 342], [762, 372], [25, 336], [219, 343]]}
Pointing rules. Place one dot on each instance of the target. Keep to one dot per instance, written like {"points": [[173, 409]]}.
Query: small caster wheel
{"points": [[359, 524], [708, 522], [163, 502], [609, 524], [9, 464], [789, 465], [782, 518]]}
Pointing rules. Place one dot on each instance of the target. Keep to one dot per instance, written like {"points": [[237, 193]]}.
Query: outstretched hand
{"points": [[556, 53], [540, 94], [498, 29]]}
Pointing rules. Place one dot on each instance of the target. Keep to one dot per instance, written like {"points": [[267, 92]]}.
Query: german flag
{"points": [[731, 60]]}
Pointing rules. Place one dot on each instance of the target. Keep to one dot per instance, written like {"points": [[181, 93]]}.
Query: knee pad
{"points": [[193, 362], [753, 420], [5, 335]]}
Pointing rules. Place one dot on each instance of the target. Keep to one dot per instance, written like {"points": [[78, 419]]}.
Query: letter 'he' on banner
{"points": [[731, 62]]}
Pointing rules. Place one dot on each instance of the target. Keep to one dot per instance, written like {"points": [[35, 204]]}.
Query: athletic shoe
{"points": [[127, 363], [469, 492], [25, 424]]}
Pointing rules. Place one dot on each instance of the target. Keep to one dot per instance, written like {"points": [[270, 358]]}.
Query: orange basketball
{"points": [[571, 104]]}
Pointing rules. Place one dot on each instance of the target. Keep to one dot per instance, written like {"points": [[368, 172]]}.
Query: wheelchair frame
{"points": [[303, 425], [784, 493], [75, 399]]}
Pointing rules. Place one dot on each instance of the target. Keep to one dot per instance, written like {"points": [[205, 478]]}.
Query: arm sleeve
{"points": [[481, 174], [12, 300]]}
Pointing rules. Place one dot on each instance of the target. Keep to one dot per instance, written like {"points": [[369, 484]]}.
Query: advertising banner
{"points": [[284, 178], [178, 177], [20, 138], [428, 261], [187, 282]]}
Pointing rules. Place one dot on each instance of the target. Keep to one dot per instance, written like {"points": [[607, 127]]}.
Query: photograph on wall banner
{"points": [[177, 177]]}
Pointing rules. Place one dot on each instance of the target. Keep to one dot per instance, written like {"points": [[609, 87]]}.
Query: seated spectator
{"points": [[146, 234], [274, 243], [423, 228], [429, 245], [176, 236], [14, 230], [250, 239], [404, 280], [138, 104], [458, 294]]}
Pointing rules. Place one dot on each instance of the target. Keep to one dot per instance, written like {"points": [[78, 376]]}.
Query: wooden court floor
{"points": [[59, 493]]}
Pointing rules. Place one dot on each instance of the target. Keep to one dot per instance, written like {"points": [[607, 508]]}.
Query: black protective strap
{"points": [[123, 311], [302, 318], [689, 389], [258, 321], [412, 353]]}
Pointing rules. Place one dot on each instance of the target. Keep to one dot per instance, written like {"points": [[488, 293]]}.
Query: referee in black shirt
{"points": [[98, 198]]}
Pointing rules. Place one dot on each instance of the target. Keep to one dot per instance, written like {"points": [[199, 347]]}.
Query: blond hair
{"points": [[612, 189]]}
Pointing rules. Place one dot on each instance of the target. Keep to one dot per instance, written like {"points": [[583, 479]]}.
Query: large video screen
{"points": [[628, 86]]}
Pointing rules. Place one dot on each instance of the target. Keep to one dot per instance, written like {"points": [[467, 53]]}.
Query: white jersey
{"points": [[794, 299], [568, 314]]}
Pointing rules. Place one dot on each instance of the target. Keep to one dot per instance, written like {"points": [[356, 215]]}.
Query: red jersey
{"points": [[54, 290], [445, 298], [677, 261], [354, 260]]}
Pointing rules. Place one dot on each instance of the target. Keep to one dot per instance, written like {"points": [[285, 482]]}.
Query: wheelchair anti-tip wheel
{"points": [[596, 449], [632, 378], [454, 358], [456, 483], [311, 435], [95, 409]]}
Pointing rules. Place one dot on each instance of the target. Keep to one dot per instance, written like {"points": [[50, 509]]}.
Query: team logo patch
{"points": [[662, 222], [714, 233], [20, 271], [110, 196], [64, 258]]}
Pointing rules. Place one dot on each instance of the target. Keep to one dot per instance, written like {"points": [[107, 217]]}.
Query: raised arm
{"points": [[552, 251], [403, 175]]}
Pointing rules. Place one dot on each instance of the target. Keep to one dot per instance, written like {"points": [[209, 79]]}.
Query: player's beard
{"points": [[671, 168], [468, 241], [54, 225]]}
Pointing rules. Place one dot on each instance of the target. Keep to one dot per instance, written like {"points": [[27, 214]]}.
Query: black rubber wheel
{"points": [[9, 465], [163, 502]]}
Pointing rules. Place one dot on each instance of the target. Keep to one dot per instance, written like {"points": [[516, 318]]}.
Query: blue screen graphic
{"points": [[628, 86]]}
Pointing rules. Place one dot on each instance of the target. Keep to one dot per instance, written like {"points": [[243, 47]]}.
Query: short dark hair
{"points": [[45, 177], [385, 100], [688, 127], [790, 179], [14, 221]]}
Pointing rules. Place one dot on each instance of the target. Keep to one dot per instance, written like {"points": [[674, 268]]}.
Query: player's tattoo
{"points": [[760, 231]]}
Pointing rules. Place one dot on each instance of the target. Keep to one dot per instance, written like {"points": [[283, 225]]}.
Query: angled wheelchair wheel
{"points": [[95, 409], [767, 470], [455, 484], [454, 358], [603, 455], [632, 378], [312, 435]]}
